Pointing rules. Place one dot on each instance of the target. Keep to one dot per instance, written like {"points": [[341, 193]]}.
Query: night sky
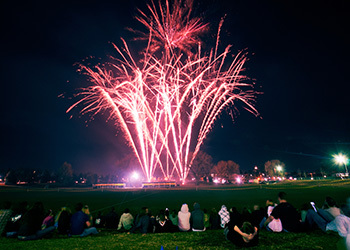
{"points": [[298, 54]]}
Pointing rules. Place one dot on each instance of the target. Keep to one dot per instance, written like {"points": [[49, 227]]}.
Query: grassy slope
{"points": [[208, 197]]}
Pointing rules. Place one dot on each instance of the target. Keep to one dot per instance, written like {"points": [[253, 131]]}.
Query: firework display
{"points": [[166, 103]]}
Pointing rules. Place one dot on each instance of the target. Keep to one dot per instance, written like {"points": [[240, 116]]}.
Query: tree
{"points": [[11, 177], [65, 174], [226, 169], [271, 168], [202, 165]]}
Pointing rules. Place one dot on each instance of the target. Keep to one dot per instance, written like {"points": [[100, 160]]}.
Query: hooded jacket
{"points": [[184, 218], [197, 218]]}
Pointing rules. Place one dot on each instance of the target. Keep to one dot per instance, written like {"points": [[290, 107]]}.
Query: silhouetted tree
{"points": [[65, 174], [202, 165], [226, 169]]}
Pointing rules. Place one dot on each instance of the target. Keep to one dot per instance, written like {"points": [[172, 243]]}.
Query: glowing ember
{"points": [[159, 100]]}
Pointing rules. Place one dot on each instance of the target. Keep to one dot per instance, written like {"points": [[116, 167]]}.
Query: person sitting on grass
{"points": [[142, 222], [197, 218], [206, 218], [184, 218], [342, 224], [126, 220], [324, 217], [30, 227], [80, 223], [244, 236], [288, 215], [163, 224], [5, 215], [214, 219], [48, 220], [173, 217], [224, 216], [111, 219], [62, 221]]}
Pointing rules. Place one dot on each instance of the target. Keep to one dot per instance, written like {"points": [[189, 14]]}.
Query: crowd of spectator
{"points": [[241, 228]]}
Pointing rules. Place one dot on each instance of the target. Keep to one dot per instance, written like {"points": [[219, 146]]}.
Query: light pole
{"points": [[342, 159]]}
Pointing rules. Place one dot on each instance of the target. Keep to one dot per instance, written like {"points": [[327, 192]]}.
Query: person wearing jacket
{"points": [[197, 218], [184, 218]]}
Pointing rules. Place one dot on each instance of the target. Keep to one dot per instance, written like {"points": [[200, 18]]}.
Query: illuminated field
{"points": [[299, 192]]}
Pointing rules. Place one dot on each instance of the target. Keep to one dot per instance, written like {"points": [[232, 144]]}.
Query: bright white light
{"points": [[340, 159], [135, 176], [216, 181], [238, 180], [279, 168]]}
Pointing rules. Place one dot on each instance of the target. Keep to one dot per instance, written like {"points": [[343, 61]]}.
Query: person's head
{"points": [[49, 213], [282, 197], [161, 217], [330, 202], [79, 206], [247, 228], [173, 212], [184, 208], [256, 207], [167, 212], [144, 210], [233, 210], [196, 205], [269, 202]]}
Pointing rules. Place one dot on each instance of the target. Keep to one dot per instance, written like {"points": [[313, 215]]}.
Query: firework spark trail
{"points": [[159, 100]]}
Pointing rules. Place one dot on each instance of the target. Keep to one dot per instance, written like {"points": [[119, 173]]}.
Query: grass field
{"points": [[208, 197]]}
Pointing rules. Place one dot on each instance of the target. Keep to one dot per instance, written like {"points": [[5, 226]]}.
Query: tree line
{"points": [[202, 168]]}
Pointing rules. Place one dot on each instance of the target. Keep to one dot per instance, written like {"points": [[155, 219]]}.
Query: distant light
{"points": [[340, 159], [238, 180], [216, 181], [279, 168], [135, 175]]}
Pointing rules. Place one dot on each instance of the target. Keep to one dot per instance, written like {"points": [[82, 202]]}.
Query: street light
{"points": [[279, 168], [341, 159]]}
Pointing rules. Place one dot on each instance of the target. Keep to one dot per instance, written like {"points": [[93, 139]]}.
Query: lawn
{"points": [[208, 197]]}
